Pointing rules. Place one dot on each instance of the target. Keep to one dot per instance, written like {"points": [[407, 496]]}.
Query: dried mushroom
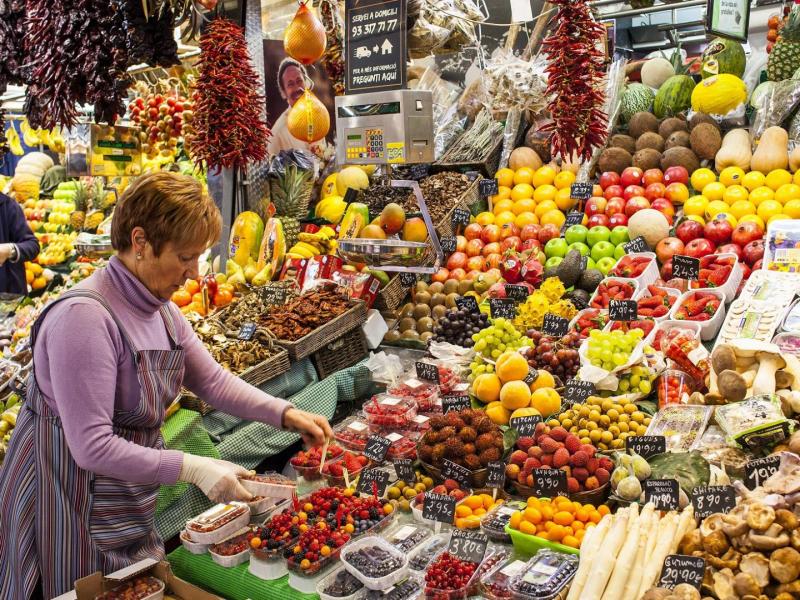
{"points": [[304, 314], [745, 585], [716, 543], [771, 539], [784, 564], [729, 560]]}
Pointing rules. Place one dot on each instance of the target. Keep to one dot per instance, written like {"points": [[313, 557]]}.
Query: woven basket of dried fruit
{"points": [[341, 353], [487, 166], [444, 228], [391, 295]]}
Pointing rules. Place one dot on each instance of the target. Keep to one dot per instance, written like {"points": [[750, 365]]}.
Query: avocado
{"points": [[569, 269], [550, 272], [590, 279], [579, 298]]}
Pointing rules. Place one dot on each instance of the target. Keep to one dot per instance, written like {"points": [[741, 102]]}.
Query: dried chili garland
{"points": [[333, 59], [575, 74], [228, 116]]}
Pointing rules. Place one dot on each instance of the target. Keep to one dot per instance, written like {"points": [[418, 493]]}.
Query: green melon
{"points": [[723, 56], [636, 97], [762, 90], [674, 96]]}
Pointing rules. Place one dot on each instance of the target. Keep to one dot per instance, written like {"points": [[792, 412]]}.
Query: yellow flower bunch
{"points": [[547, 299], [552, 288]]}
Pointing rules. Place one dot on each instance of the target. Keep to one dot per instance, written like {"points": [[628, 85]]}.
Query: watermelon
{"points": [[636, 97], [674, 96], [723, 56]]}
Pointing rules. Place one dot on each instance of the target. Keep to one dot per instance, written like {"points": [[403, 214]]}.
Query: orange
{"points": [[769, 208], [696, 205], [505, 177], [713, 191], [527, 527], [758, 195], [741, 208], [571, 541], [504, 217], [564, 180], [460, 522], [753, 179], [523, 206], [563, 517], [526, 219], [180, 297], [546, 400], [578, 525], [503, 192], [488, 502], [502, 206], [484, 218], [701, 178], [788, 191], [544, 380], [553, 217], [521, 191], [533, 515], [462, 510], [223, 298], [523, 175], [603, 510], [792, 208], [29, 277], [777, 178], [735, 193], [544, 192], [544, 206], [191, 286], [730, 176], [580, 534], [564, 199], [754, 219], [595, 516], [544, 175]]}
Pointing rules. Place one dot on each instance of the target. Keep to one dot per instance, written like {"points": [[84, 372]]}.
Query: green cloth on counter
{"points": [[234, 583]]}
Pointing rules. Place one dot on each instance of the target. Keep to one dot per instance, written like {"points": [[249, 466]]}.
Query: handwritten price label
{"points": [[686, 267], [549, 482], [663, 493], [525, 426], [404, 467], [467, 302], [623, 310], [451, 470], [455, 402], [758, 470], [646, 445], [637, 244], [502, 307], [496, 475], [488, 187], [247, 331], [427, 371], [439, 507], [554, 325], [468, 545], [578, 391], [517, 292], [711, 499], [373, 481], [376, 448], [680, 568]]}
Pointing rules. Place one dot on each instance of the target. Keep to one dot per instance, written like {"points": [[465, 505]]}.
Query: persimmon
{"points": [[192, 286]]}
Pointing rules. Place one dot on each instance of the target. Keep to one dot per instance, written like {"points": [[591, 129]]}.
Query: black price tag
{"points": [[488, 187], [533, 375], [637, 244], [247, 331], [623, 310], [503, 307], [525, 426], [350, 196], [377, 447], [448, 244], [646, 445], [468, 545], [758, 470], [468, 302], [555, 325], [574, 217], [460, 217], [373, 481], [578, 391], [686, 267], [496, 475], [427, 371], [584, 262], [472, 175], [581, 191], [518, 293], [663, 493], [681, 568], [419, 171], [451, 470], [438, 507], [404, 467], [455, 402], [275, 296], [710, 499], [408, 279], [548, 483]]}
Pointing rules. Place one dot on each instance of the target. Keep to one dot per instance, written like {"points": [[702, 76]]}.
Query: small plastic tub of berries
{"points": [[233, 551], [404, 445], [408, 536], [421, 423], [384, 411], [451, 578], [545, 576], [352, 433], [340, 585], [495, 584], [375, 562], [494, 522], [271, 485], [409, 589], [191, 545], [424, 394], [306, 463], [218, 523], [424, 554], [334, 472], [139, 588]]}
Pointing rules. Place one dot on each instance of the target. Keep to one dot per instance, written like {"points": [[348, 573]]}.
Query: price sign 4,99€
{"points": [[376, 45]]}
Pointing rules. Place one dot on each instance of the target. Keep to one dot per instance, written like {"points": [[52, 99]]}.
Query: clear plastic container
{"points": [[493, 523], [352, 433], [545, 576], [731, 285], [420, 423], [646, 324], [125, 591], [260, 504], [756, 321], [390, 413], [628, 294], [404, 445], [408, 536], [267, 569], [597, 316], [373, 552], [668, 325], [674, 387], [409, 589], [791, 322], [648, 275], [191, 545], [424, 554], [682, 426], [757, 422], [492, 557], [671, 292], [709, 328], [218, 522], [271, 485], [424, 394], [309, 469], [789, 343], [233, 551], [335, 585], [496, 583]]}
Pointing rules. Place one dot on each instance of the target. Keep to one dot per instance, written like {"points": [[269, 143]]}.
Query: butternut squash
{"points": [[772, 151], [735, 150], [794, 159]]}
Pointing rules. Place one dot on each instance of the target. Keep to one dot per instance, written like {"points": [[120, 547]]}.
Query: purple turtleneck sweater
{"points": [[85, 371]]}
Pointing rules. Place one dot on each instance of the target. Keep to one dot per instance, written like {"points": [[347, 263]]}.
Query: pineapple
{"points": [[77, 217], [290, 194], [93, 220], [785, 55]]}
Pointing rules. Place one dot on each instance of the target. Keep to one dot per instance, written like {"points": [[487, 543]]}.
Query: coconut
{"points": [[650, 140], [524, 157], [621, 140], [615, 159], [698, 118], [642, 122], [679, 139], [680, 157], [647, 158], [670, 125], [706, 141]]}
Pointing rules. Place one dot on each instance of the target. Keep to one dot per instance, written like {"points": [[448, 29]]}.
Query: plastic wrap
{"points": [[453, 124], [757, 422], [615, 83], [776, 106], [510, 135]]}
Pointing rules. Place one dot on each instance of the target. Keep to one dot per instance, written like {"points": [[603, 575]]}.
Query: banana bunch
{"points": [[314, 244], [29, 136], [54, 141], [14, 143]]}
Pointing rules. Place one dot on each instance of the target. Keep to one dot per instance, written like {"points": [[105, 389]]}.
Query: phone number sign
{"points": [[375, 45]]}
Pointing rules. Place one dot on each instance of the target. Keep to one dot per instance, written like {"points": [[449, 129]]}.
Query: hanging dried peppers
{"points": [[229, 127], [575, 74], [149, 40], [333, 58]]}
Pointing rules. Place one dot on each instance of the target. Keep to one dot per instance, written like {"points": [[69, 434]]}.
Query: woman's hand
{"points": [[313, 428], [217, 479]]}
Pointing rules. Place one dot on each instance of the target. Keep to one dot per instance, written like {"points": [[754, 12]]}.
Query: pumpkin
{"points": [[794, 159], [772, 151], [524, 157], [308, 119], [718, 95], [735, 151]]}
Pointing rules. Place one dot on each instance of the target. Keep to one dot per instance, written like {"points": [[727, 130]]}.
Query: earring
{"points": [[138, 256]]}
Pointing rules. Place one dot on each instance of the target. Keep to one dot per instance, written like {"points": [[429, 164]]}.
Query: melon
{"points": [[650, 224], [308, 119], [656, 71], [351, 177], [674, 96], [524, 157], [637, 97], [763, 90], [723, 56], [718, 95], [245, 238]]}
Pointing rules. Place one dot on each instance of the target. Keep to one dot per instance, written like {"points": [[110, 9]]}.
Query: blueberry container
{"points": [[340, 585], [407, 537], [546, 575], [375, 562], [494, 522]]}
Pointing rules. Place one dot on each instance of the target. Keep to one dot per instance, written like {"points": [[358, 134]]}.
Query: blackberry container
{"points": [[359, 561], [493, 523], [546, 576]]}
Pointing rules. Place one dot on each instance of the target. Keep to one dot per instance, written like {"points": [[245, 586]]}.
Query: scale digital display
{"points": [[366, 110], [370, 145]]}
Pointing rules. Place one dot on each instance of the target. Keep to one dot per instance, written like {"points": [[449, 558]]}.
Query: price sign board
{"points": [[555, 325], [427, 371], [373, 481], [646, 445], [760, 469], [377, 447], [548, 483], [468, 302], [581, 191], [525, 426], [272, 295], [710, 499], [496, 475], [460, 217], [623, 310], [448, 244], [451, 470], [637, 244], [455, 402], [519, 293], [578, 391], [533, 375], [439, 507], [488, 187], [727, 18], [502, 307], [350, 195], [468, 545], [686, 267], [375, 40], [418, 171], [680, 568], [404, 467], [247, 331], [663, 493], [408, 279], [574, 217]]}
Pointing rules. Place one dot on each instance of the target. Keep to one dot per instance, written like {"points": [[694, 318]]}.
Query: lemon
{"points": [[792, 208], [715, 207], [502, 206], [504, 217], [731, 176], [545, 192], [735, 193], [753, 179], [755, 219], [788, 191], [740, 208], [714, 191], [523, 175], [505, 177], [769, 208], [553, 217], [696, 205], [521, 191], [758, 195], [701, 178], [545, 207], [777, 178]]}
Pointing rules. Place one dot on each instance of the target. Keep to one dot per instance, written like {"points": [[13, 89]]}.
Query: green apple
{"points": [[580, 247], [575, 233], [619, 251], [556, 247], [619, 235], [602, 249], [590, 264], [605, 264], [553, 261], [598, 233]]}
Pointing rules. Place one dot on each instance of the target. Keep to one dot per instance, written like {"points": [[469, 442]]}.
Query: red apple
{"points": [[473, 275], [753, 252], [474, 248], [655, 190], [617, 219], [609, 178], [666, 270], [688, 231], [508, 230], [663, 206], [635, 204], [476, 263], [548, 232], [613, 190], [511, 243], [598, 219], [473, 231], [718, 231], [491, 233], [632, 191], [597, 190], [615, 205], [631, 176], [731, 248], [746, 232], [667, 248], [652, 176], [458, 274], [529, 232], [441, 275], [699, 248], [531, 244], [594, 206], [461, 243], [493, 261], [491, 248], [457, 260], [676, 175]]}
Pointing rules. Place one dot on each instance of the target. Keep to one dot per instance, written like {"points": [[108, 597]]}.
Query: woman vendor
{"points": [[78, 487]]}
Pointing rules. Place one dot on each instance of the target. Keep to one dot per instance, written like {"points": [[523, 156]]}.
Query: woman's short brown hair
{"points": [[170, 208]]}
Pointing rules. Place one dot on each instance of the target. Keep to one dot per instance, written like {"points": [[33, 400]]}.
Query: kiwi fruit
{"points": [[623, 141], [407, 310], [615, 159], [439, 311], [677, 139], [438, 298], [650, 139], [406, 323], [671, 125], [422, 297], [706, 141], [698, 118], [421, 310], [410, 334], [391, 336], [450, 301], [680, 157], [464, 286], [422, 286], [642, 122], [647, 158], [425, 336], [450, 286], [425, 324]]}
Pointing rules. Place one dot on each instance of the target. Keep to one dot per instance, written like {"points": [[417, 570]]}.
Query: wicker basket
{"points": [[477, 478], [487, 166], [341, 353], [275, 365], [471, 195], [391, 295], [317, 339]]}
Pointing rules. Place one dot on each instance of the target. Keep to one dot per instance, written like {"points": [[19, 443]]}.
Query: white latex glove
{"points": [[216, 478]]}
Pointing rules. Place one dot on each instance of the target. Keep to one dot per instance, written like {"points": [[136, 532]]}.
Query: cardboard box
{"points": [[89, 587]]}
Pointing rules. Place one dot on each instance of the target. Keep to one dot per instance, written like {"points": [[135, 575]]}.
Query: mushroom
{"points": [[786, 519], [793, 368], [723, 584], [698, 399], [723, 358], [796, 539], [760, 517], [784, 565], [656, 594], [691, 542], [745, 585], [769, 361], [772, 539], [729, 560], [756, 565], [715, 543], [732, 386], [711, 524], [783, 379], [685, 591], [734, 526]]}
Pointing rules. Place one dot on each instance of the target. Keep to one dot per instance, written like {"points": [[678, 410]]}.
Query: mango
{"points": [[498, 414], [372, 232], [486, 387], [414, 230], [511, 366], [392, 218]]}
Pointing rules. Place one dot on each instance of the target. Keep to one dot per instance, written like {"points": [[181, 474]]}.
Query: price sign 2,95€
{"points": [[376, 45]]}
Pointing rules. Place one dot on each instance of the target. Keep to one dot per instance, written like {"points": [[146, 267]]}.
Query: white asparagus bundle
{"points": [[590, 549], [610, 550], [649, 526], [625, 561], [663, 546]]}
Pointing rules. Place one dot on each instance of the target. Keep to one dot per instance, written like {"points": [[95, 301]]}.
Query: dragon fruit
{"points": [[511, 268], [532, 272]]}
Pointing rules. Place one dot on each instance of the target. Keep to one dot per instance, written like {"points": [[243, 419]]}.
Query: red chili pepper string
{"points": [[575, 77], [230, 131]]}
